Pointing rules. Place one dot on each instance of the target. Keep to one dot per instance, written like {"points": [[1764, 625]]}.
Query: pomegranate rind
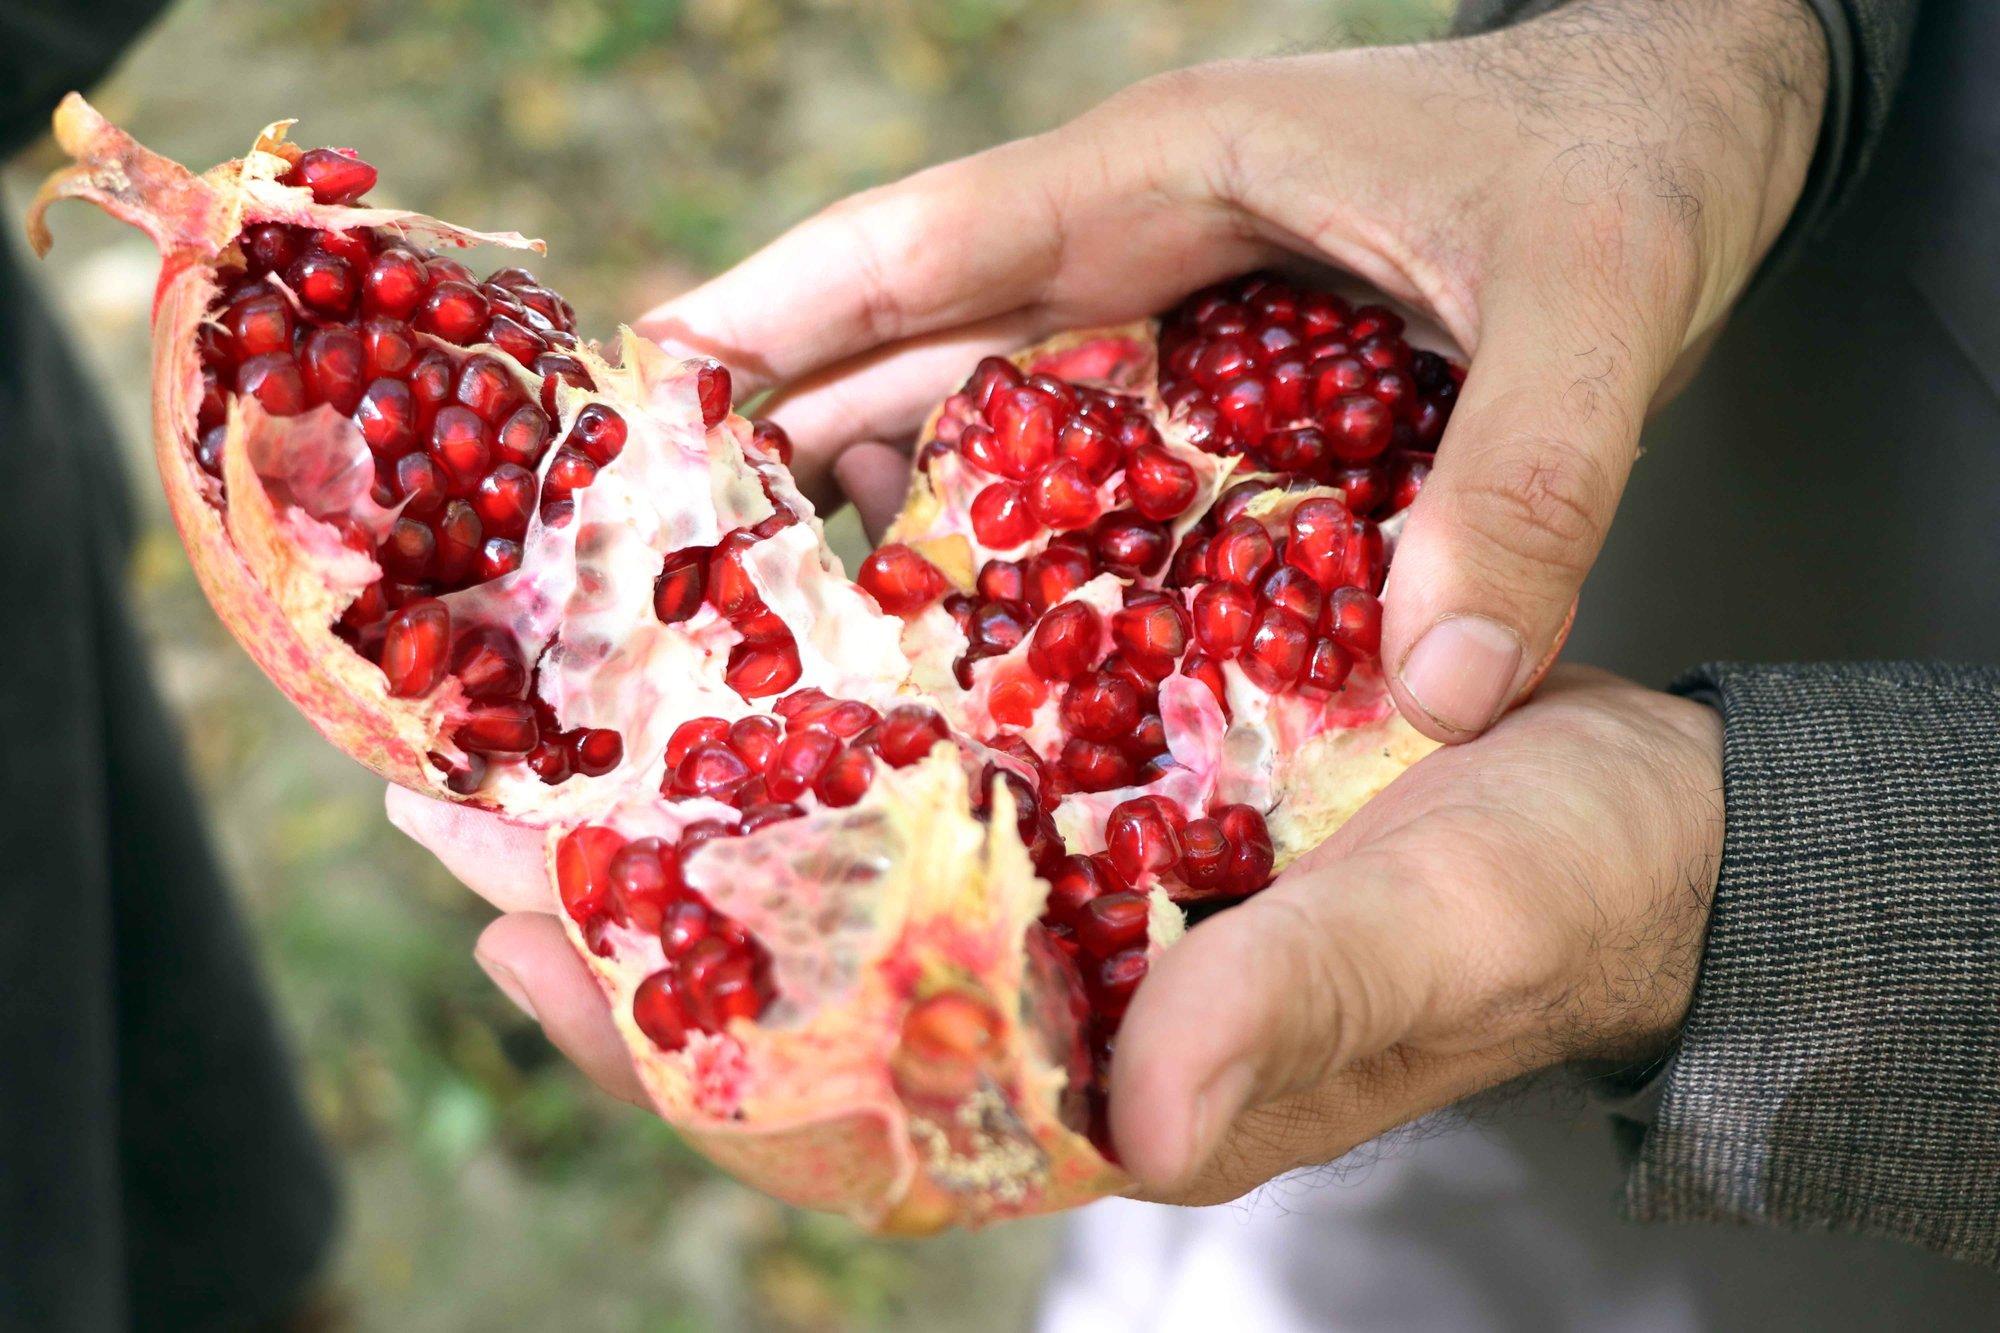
{"points": [[814, 1103]]}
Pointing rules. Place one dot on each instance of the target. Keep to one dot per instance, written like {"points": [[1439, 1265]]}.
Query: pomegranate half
{"points": [[868, 870]]}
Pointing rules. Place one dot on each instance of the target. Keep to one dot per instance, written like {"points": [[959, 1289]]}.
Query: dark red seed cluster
{"points": [[1295, 603], [1051, 446], [811, 746], [1303, 383], [716, 970], [766, 661]]}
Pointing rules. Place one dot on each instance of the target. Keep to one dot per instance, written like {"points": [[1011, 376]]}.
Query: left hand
{"points": [[1537, 896]]}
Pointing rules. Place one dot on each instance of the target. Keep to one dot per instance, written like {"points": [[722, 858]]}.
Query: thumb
{"points": [[1527, 478], [1316, 972]]}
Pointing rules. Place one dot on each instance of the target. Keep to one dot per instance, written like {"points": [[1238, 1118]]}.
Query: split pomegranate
{"points": [[869, 871]]}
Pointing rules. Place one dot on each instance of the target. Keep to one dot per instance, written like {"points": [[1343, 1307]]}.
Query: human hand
{"points": [[1537, 897], [1577, 199]]}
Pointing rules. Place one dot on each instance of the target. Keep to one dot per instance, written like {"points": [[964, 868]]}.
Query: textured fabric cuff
{"points": [[1840, 1066]]}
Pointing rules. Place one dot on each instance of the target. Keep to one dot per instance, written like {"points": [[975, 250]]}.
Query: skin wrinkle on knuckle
{"points": [[1540, 501]]}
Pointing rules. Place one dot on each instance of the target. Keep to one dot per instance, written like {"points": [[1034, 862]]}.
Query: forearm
{"points": [[1840, 1065]]}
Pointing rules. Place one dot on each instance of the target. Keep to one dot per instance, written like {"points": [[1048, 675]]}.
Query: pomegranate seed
{"points": [[333, 177], [1093, 765], [1198, 666], [1114, 980], [514, 338], [1328, 667], [685, 923], [1161, 486], [454, 310], [459, 537], [1100, 707], [769, 439], [488, 664], [497, 727], [1093, 449], [460, 444], [324, 282], [1295, 591], [1303, 449], [1141, 840], [485, 386], [599, 432], [387, 348], [505, 499], [1130, 545], [1358, 428], [677, 596], [1251, 856], [430, 383], [259, 325], [414, 648], [208, 452], [757, 671], [1355, 619], [273, 380], [498, 557], [712, 388], [1223, 613], [693, 732], [1065, 642], [1204, 863], [1062, 496], [1242, 553], [1279, 645], [729, 584], [420, 485], [1001, 518], [386, 416], [555, 368], [908, 733], [1078, 882], [1152, 628], [583, 862], [270, 247], [523, 437], [595, 751], [409, 550], [720, 982], [1112, 922], [393, 284], [901, 581], [354, 247], [569, 473], [846, 778], [1001, 580], [711, 768], [998, 626], [1054, 574], [658, 1012], [756, 738], [799, 762], [1407, 473]]}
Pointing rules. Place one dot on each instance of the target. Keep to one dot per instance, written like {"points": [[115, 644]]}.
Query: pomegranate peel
{"points": [[802, 830]]}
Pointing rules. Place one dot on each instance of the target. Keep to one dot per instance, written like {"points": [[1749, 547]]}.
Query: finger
{"points": [[882, 395], [534, 964], [877, 478], [501, 861], [1264, 1001], [1106, 219], [1527, 479]]}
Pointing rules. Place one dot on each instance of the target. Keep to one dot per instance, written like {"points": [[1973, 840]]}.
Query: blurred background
{"points": [[650, 142]]}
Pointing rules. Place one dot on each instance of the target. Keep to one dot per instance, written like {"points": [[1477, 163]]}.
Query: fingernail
{"points": [[1462, 671], [510, 985], [1216, 1107]]}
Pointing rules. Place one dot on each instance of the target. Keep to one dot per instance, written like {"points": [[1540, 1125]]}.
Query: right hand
{"points": [[1577, 199]]}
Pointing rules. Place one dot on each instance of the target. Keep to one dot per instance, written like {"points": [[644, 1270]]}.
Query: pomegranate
{"points": [[868, 871]]}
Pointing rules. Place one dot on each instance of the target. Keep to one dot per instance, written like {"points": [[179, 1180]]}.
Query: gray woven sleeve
{"points": [[1840, 1067]]}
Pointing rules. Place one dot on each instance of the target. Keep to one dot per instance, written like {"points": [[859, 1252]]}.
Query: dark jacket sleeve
{"points": [[1840, 1067], [1868, 47]]}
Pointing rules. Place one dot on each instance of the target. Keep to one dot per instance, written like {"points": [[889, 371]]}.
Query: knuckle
{"points": [[1542, 501]]}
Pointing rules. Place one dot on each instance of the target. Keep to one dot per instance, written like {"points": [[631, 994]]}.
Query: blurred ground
{"points": [[650, 142]]}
